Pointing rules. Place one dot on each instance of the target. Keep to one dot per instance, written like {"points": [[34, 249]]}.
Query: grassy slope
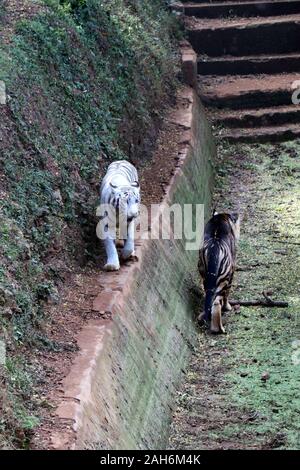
{"points": [[242, 389], [86, 85]]}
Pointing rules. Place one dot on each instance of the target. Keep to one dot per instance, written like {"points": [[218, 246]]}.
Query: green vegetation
{"points": [[87, 82], [242, 388]]}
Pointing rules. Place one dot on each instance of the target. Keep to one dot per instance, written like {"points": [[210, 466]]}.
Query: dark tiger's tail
{"points": [[209, 298], [212, 266]]}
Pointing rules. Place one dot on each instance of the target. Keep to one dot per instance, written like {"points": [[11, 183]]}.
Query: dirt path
{"points": [[242, 389]]}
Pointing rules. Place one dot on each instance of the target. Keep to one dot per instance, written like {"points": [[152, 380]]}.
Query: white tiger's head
{"points": [[126, 199]]}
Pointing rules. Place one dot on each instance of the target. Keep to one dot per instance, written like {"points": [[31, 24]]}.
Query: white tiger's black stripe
{"points": [[119, 194], [123, 177]]}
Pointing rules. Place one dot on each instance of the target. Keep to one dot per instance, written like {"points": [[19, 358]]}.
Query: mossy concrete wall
{"points": [[119, 393]]}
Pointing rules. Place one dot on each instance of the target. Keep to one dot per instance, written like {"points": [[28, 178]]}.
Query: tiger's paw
{"points": [[111, 267], [202, 318], [127, 254], [218, 331], [227, 307]]}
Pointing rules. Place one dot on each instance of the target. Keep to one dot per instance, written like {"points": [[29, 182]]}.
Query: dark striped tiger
{"points": [[119, 199], [217, 266]]}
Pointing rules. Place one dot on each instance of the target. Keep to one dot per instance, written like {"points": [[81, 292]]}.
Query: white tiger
{"points": [[119, 198]]}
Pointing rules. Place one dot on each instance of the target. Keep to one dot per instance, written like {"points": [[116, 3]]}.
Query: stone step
{"points": [[261, 134], [244, 36], [242, 8], [248, 66], [259, 64], [265, 117], [251, 91]]}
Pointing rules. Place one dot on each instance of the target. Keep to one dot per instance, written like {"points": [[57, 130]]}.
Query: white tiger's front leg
{"points": [[112, 263], [128, 249]]}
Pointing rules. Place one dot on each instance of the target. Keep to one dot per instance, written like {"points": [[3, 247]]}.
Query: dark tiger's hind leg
{"points": [[204, 317], [216, 316], [226, 305]]}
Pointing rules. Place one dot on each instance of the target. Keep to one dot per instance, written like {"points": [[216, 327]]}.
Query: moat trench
{"points": [[145, 376]]}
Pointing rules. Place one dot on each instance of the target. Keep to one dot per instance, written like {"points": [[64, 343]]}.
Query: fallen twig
{"points": [[266, 302], [286, 242], [259, 303], [252, 266]]}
